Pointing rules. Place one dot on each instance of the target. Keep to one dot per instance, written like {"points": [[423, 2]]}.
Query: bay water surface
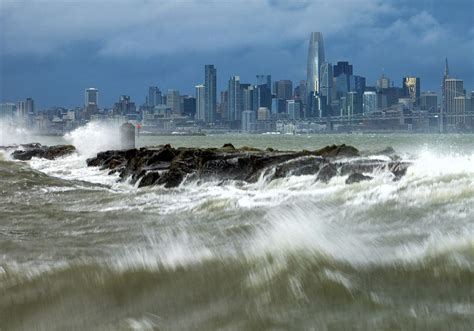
{"points": [[81, 251]]}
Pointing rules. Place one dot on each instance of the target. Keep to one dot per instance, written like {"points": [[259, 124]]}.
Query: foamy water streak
{"points": [[242, 252]]}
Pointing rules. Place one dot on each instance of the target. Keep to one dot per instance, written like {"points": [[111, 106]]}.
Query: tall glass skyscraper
{"points": [[92, 97], [199, 116], [315, 59], [210, 96], [235, 99]]}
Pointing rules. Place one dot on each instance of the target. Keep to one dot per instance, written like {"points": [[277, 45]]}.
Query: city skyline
{"points": [[415, 40]]}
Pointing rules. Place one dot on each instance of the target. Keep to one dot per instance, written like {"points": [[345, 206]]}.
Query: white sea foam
{"points": [[11, 134], [94, 137]]}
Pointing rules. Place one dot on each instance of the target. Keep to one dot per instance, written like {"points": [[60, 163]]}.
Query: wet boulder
{"points": [[328, 171], [356, 178], [338, 151], [27, 152], [167, 166]]}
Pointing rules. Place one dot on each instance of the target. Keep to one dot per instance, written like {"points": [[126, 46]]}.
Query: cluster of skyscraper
{"points": [[330, 94]]}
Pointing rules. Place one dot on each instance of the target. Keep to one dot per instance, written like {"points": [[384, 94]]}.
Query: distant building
{"points": [[369, 102], [200, 104], [316, 104], [352, 104], [326, 84], [461, 105], [248, 121], [429, 102], [210, 93], [278, 106], [222, 107], [383, 82], [173, 102], [283, 89], [342, 67], [91, 97], [293, 109], [300, 93], [30, 106], [247, 96], [453, 88], [189, 106], [262, 93], [125, 107], [263, 114], [235, 99], [154, 96], [411, 89], [265, 80], [315, 59], [91, 102]]}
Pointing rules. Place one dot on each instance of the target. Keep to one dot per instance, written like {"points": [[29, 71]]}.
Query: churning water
{"points": [[78, 250]]}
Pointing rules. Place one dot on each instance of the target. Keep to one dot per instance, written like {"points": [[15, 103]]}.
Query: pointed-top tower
{"points": [[446, 69], [315, 59]]}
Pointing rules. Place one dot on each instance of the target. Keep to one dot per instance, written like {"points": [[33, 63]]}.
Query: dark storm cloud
{"points": [[123, 46]]}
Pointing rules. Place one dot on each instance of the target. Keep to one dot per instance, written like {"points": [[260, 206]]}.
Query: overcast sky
{"points": [[53, 50]]}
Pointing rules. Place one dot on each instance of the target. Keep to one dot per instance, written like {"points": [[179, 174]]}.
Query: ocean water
{"points": [[81, 251]]}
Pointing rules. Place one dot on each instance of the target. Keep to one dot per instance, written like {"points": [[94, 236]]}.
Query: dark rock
{"points": [[150, 178], [359, 166], [298, 167], [399, 169], [338, 151], [327, 172], [46, 152], [165, 165], [356, 178]]}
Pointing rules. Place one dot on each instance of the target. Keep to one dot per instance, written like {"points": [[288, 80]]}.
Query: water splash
{"points": [[94, 137]]}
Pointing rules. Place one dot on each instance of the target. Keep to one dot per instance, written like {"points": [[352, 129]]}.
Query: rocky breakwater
{"points": [[26, 152], [168, 166]]}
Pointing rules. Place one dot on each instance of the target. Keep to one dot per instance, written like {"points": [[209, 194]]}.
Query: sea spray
{"points": [[290, 253], [11, 134], [94, 137]]}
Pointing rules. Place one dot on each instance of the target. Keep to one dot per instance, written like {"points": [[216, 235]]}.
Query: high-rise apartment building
{"points": [[369, 102], [453, 88], [293, 109], [200, 103], [352, 104], [210, 93], [223, 107], [30, 106], [234, 105], [173, 102], [91, 97], [249, 118]]}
